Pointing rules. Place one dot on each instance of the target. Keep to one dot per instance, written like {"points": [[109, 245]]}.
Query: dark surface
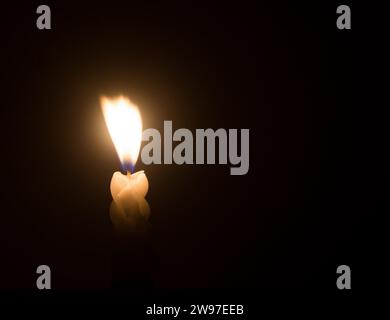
{"points": [[284, 71]]}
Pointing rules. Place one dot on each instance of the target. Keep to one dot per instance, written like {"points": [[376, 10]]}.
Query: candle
{"points": [[129, 210]]}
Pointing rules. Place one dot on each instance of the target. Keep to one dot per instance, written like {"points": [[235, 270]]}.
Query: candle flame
{"points": [[124, 124]]}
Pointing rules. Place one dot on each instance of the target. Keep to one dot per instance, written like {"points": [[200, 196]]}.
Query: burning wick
{"points": [[129, 210]]}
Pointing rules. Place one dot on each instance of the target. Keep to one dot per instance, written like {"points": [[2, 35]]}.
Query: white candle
{"points": [[129, 209]]}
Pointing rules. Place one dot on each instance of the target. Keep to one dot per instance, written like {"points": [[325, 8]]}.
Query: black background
{"points": [[282, 70]]}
